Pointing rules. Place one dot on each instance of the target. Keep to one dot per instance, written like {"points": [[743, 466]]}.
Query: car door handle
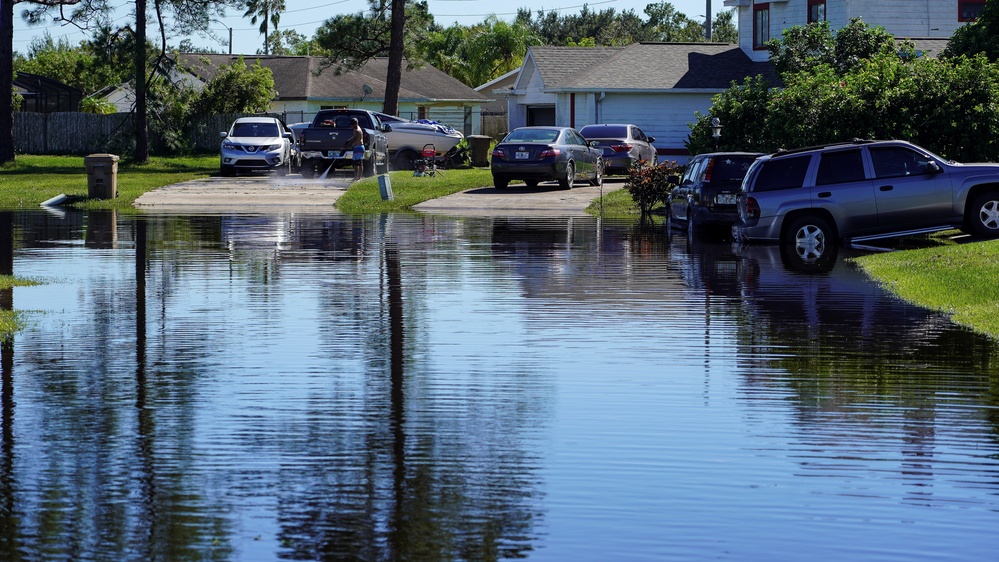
{"points": [[887, 187], [825, 194]]}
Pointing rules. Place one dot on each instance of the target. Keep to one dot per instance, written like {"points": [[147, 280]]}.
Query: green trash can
{"points": [[102, 175], [480, 149]]}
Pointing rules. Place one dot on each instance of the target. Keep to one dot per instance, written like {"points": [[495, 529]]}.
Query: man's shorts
{"points": [[358, 153]]}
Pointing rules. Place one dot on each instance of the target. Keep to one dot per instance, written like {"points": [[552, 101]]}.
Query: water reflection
{"points": [[259, 387]]}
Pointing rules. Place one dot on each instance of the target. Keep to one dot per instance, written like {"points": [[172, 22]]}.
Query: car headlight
{"points": [[273, 147], [227, 145]]}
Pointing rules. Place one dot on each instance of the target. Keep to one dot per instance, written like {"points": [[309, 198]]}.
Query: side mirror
{"points": [[287, 135], [223, 134], [673, 179], [651, 139], [386, 128], [932, 167]]}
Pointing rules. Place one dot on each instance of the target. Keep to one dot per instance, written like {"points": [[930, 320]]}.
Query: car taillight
{"points": [[752, 208], [499, 153], [709, 169], [621, 147], [549, 152]]}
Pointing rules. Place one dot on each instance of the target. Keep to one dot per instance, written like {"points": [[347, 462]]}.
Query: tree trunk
{"points": [[393, 80], [141, 126], [6, 81]]}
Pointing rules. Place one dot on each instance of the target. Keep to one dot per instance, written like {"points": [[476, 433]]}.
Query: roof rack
{"points": [[851, 142]]}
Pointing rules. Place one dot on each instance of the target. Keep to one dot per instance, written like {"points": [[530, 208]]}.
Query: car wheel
{"points": [[500, 183], [227, 171], [810, 238], [308, 168], [598, 174], [570, 177], [983, 219], [531, 183], [405, 160]]}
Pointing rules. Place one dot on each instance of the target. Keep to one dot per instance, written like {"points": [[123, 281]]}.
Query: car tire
{"points": [[598, 174], [500, 183], [531, 183], [405, 160], [570, 176], [227, 171], [983, 215], [810, 238], [308, 168]]}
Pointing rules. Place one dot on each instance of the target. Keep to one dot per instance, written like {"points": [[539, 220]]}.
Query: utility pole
{"points": [[707, 20]]}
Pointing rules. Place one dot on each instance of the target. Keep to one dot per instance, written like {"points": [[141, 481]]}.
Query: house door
{"points": [[541, 116]]}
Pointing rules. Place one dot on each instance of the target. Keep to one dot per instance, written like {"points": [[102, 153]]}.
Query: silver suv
{"points": [[812, 198], [256, 143]]}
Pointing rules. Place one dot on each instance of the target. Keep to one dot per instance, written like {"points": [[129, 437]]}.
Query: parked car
{"points": [[407, 139], [256, 143], [812, 198], [624, 146], [706, 194], [536, 154]]}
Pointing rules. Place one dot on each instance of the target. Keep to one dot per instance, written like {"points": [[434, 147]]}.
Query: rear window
{"points": [[782, 173], [731, 168], [604, 132]]}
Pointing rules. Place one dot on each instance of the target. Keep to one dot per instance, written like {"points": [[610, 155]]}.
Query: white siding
{"points": [[901, 18]]}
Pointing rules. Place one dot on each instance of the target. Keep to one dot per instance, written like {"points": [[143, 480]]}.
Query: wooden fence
{"points": [[88, 133]]}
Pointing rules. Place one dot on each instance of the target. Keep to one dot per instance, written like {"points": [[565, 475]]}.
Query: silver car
{"points": [[256, 143], [623, 145], [810, 199]]}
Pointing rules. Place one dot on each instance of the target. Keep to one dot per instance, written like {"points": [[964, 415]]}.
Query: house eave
{"points": [[634, 90]]}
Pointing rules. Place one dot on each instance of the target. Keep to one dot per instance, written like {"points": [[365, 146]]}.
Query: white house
{"points": [[657, 86], [759, 21]]}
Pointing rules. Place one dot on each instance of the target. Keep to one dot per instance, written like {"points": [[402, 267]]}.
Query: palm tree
{"points": [[268, 11]]}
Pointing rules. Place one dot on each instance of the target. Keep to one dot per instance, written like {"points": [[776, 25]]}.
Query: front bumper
{"points": [[240, 159]]}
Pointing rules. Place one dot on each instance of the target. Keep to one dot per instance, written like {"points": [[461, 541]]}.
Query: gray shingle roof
{"points": [[665, 66], [559, 65], [299, 78]]}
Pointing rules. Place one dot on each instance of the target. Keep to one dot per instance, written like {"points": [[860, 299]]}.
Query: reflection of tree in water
{"points": [[398, 483]]}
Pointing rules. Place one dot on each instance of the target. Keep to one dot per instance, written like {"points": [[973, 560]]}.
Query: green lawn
{"points": [[958, 280], [30, 180]]}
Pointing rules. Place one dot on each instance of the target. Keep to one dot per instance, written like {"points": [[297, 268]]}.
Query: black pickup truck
{"points": [[325, 144]]}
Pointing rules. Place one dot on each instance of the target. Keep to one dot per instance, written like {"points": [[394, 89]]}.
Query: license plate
{"points": [[522, 155], [725, 199], [335, 154]]}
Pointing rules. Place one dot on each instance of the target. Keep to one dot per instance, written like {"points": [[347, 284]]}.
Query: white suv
{"points": [[256, 143]]}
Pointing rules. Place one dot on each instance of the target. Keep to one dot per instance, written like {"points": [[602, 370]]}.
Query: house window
{"points": [[816, 11], [761, 25], [969, 10]]}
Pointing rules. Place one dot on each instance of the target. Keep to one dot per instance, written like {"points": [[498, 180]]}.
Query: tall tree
{"points": [[268, 12], [348, 42]]}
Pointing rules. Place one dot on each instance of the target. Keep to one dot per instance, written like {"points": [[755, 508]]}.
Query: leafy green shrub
{"points": [[651, 185]]}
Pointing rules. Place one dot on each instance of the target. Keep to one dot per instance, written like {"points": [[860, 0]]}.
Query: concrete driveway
{"points": [[269, 192]]}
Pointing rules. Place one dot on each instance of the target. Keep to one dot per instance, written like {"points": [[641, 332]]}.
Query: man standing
{"points": [[357, 141]]}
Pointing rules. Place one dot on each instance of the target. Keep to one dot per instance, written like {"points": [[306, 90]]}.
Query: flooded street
{"points": [[323, 387]]}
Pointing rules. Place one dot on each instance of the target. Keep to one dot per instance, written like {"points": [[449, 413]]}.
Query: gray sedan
{"points": [[536, 154]]}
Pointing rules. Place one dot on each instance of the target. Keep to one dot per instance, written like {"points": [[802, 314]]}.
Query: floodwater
{"points": [[309, 387]]}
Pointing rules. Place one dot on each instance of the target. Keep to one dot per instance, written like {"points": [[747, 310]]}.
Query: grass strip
{"points": [[12, 321], [958, 280], [408, 190], [30, 179]]}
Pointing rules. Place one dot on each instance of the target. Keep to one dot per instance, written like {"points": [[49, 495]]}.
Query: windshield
{"points": [[532, 135], [255, 130]]}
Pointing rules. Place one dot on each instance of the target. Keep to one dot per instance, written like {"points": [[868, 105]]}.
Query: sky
{"points": [[304, 16]]}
